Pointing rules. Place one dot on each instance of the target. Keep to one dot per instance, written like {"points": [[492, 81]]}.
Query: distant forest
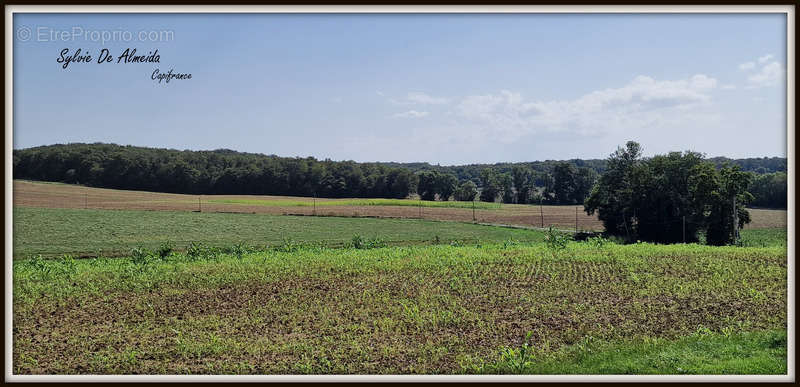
{"points": [[226, 171]]}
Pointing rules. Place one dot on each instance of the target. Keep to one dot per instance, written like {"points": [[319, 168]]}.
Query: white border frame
{"points": [[10, 10]]}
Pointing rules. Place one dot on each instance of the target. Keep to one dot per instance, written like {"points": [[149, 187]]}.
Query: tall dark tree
{"points": [[426, 188], [612, 196], [564, 183], [523, 183], [446, 185], [584, 181], [490, 185]]}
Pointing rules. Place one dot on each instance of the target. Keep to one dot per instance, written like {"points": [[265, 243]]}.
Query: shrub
{"points": [[140, 255], [165, 250]]}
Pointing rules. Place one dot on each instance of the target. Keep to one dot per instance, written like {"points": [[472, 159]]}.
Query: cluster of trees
{"points": [[670, 198], [566, 184], [769, 190], [432, 183], [209, 172], [759, 165]]}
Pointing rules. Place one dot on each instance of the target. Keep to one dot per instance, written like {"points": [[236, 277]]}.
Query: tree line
{"points": [[225, 171], [209, 172], [758, 165]]}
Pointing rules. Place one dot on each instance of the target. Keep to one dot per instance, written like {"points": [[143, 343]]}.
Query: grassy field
{"points": [[310, 202], [53, 232], [57, 195], [489, 308]]}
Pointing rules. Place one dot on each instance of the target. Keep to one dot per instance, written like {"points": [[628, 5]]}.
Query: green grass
{"points": [[357, 202], [52, 232], [405, 310], [765, 237], [702, 353]]}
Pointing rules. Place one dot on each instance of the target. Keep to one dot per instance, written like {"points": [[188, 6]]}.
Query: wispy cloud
{"points": [[418, 98], [641, 103], [768, 72], [764, 59], [410, 114], [425, 99], [769, 75]]}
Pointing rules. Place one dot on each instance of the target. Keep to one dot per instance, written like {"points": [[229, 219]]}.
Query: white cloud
{"points": [[728, 87], [417, 98], [765, 74], [642, 103], [380, 93], [747, 66], [410, 114], [769, 75], [336, 100]]}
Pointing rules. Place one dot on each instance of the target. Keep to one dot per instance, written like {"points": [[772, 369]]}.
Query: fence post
{"points": [[576, 220], [199, 204], [85, 200], [541, 211], [735, 222], [315, 204], [420, 207], [684, 229], [473, 210]]}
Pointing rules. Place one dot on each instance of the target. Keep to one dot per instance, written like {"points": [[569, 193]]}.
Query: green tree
{"points": [[612, 196], [564, 183], [426, 188], [490, 185], [466, 192], [507, 187], [446, 185], [523, 183], [670, 197], [584, 181], [726, 201]]}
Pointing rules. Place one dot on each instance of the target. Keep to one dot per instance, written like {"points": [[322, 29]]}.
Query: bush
{"points": [[166, 249], [359, 242], [140, 256]]}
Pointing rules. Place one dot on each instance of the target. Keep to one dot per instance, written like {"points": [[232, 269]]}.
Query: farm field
{"points": [[51, 232], [490, 308], [260, 293], [56, 195]]}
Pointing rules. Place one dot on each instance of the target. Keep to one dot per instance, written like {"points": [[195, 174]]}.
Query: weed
{"points": [[556, 240], [165, 249]]}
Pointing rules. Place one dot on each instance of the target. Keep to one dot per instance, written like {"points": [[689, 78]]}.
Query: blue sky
{"points": [[448, 89]]}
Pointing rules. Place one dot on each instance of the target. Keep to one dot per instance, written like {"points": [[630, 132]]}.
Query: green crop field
{"points": [[55, 231], [593, 307], [177, 292]]}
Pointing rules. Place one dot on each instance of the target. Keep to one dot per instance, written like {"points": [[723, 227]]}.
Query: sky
{"points": [[447, 89]]}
